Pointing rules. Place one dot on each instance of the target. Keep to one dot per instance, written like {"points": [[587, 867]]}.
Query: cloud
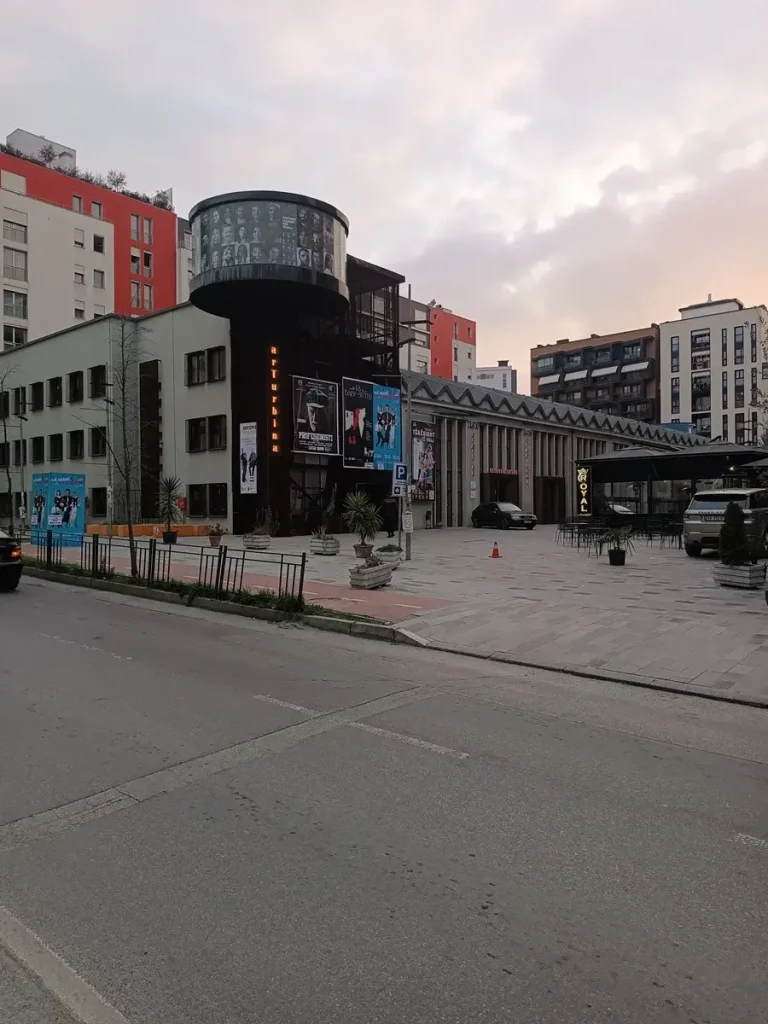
{"points": [[549, 169]]}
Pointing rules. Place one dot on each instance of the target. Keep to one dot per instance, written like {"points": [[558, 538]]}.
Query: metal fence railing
{"points": [[222, 570]]}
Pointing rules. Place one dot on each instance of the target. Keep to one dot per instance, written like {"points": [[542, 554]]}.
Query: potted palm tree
{"points": [[264, 529], [168, 511], [738, 565], [323, 542], [618, 541], [363, 518], [215, 534]]}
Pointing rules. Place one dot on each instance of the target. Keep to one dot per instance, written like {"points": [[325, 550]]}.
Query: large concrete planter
{"points": [[390, 558], [256, 541], [746, 577], [363, 577], [324, 545]]}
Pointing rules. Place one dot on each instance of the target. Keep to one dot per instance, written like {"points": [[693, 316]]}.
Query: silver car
{"points": [[706, 513]]}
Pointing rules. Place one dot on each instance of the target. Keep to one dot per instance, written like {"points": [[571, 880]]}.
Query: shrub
{"points": [[735, 545]]}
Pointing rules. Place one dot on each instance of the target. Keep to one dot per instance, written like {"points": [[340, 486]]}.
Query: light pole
{"points": [[22, 420]]}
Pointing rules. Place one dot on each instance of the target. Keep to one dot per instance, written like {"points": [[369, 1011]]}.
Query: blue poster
{"points": [[387, 427], [58, 505]]}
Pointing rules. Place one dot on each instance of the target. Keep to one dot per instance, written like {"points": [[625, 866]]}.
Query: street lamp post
{"points": [[22, 420]]}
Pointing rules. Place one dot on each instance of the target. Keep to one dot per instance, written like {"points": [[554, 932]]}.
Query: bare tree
{"points": [[5, 400], [116, 179], [47, 154]]}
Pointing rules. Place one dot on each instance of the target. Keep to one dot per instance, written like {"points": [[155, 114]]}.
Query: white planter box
{"points": [[256, 541], [390, 558], [747, 577], [362, 578], [324, 545]]}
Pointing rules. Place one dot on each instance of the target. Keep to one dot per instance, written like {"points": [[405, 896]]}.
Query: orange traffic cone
{"points": [[495, 553]]}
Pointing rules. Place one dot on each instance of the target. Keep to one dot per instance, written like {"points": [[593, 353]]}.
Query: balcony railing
{"points": [[15, 273], [12, 310], [14, 234]]}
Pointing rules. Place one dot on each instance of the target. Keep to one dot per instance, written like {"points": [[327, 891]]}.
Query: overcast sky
{"points": [[547, 168]]}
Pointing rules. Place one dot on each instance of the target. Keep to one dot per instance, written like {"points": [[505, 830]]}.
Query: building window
{"points": [[196, 435], [97, 209], [98, 243], [700, 361], [196, 367], [753, 342], [724, 432], [55, 392], [724, 342], [217, 433], [19, 453], [675, 394], [14, 264], [19, 401], [38, 450], [55, 447], [147, 264], [75, 386], [148, 296], [79, 238], [738, 389], [77, 204], [97, 381], [15, 232], [147, 231], [135, 261], [98, 502], [79, 274], [573, 360], [197, 503], [217, 501], [15, 304], [455, 354], [135, 295], [700, 341], [13, 337], [76, 439], [754, 437], [98, 442], [754, 394], [5, 450], [725, 389], [5, 405], [738, 345], [99, 311], [217, 363], [99, 278], [632, 351], [135, 224], [674, 349], [455, 332], [37, 396], [79, 311], [738, 434]]}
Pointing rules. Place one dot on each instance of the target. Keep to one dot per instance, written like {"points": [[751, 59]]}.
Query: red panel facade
{"points": [[446, 330], [54, 187]]}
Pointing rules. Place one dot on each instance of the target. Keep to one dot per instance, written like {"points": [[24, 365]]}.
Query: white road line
{"points": [[55, 974], [742, 837], [86, 647], [412, 740], [285, 704], [416, 606]]}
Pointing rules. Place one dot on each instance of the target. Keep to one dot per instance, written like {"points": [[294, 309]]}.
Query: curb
{"points": [[388, 634]]}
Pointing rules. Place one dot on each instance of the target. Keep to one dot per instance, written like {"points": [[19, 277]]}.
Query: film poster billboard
{"points": [[58, 504], [249, 458], [372, 425], [423, 462], [315, 416]]}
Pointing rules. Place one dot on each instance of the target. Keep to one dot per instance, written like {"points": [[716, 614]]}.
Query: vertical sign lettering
{"points": [[583, 491], [274, 399]]}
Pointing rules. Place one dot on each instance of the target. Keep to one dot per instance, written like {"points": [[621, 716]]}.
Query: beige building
{"points": [[57, 265], [713, 367]]}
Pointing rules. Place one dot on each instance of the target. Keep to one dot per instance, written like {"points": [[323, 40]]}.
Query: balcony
{"points": [[15, 273], [702, 404], [548, 384], [643, 369]]}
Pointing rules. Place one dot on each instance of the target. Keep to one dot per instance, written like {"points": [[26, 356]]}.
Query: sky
{"points": [[549, 169]]}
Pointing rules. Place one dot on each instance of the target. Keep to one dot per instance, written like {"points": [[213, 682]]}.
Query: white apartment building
{"points": [[57, 266], [501, 377], [713, 365], [185, 260], [414, 335]]}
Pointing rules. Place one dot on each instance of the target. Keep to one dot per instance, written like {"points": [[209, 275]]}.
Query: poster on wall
{"points": [[249, 458], [315, 416], [58, 505], [423, 462], [372, 425]]}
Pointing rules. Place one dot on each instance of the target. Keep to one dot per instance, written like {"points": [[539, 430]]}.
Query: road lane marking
{"points": [[412, 740], [55, 974], [187, 773], [747, 840], [85, 647], [285, 704]]}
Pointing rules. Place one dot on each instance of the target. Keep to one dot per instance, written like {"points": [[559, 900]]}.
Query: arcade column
{"points": [[267, 261]]}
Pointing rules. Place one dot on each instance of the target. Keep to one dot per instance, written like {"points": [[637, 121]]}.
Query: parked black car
{"points": [[10, 562], [502, 514]]}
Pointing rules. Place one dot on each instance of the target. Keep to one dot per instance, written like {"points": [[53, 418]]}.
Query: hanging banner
{"points": [[422, 462], [249, 458], [583, 491], [58, 505], [315, 416]]}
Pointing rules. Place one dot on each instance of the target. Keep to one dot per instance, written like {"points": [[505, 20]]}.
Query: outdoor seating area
{"points": [[589, 533]]}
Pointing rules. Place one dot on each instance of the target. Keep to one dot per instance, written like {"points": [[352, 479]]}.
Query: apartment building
{"points": [[616, 374], [185, 259], [453, 344], [414, 335], [74, 248], [713, 365], [500, 377]]}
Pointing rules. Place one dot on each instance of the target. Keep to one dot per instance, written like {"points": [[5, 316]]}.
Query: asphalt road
{"points": [[206, 819]]}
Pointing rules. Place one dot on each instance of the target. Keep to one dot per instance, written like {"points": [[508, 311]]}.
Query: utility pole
{"points": [[23, 515]]}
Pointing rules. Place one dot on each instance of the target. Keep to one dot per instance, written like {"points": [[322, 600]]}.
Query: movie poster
{"points": [[372, 425], [423, 462], [58, 505], [315, 416], [249, 458]]}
